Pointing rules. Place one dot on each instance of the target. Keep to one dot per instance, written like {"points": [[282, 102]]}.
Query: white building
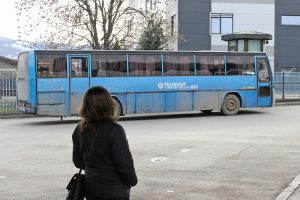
{"points": [[202, 22], [146, 4]]}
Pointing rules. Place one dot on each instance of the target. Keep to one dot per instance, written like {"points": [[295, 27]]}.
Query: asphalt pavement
{"points": [[179, 157], [292, 191]]}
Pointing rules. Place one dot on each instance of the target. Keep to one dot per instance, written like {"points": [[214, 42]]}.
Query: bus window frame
{"points": [[156, 55], [191, 55], [50, 54], [94, 56]]}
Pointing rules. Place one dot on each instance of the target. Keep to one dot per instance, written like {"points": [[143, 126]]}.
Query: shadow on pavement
{"points": [[148, 117]]}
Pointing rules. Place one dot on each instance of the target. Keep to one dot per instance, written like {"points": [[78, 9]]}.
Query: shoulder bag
{"points": [[75, 187]]}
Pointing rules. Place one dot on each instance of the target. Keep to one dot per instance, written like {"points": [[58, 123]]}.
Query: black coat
{"points": [[107, 161]]}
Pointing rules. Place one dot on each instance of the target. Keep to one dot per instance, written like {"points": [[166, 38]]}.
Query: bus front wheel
{"points": [[118, 108], [231, 105]]}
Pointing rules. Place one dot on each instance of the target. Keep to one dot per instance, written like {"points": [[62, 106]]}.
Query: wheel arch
{"points": [[118, 100], [236, 94]]}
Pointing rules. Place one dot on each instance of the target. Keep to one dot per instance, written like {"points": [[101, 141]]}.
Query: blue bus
{"points": [[53, 82]]}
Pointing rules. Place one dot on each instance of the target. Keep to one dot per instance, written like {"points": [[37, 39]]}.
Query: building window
{"points": [[290, 20], [221, 23], [173, 25]]}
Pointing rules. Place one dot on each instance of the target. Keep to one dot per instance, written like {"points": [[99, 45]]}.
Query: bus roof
{"points": [[138, 51]]}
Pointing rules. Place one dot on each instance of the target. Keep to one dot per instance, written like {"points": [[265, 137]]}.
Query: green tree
{"points": [[153, 36]]}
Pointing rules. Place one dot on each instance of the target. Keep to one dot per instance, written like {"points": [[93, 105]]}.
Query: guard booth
{"points": [[247, 41], [255, 42]]}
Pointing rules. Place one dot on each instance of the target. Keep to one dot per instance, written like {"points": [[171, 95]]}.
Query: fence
{"points": [[8, 100], [287, 85]]}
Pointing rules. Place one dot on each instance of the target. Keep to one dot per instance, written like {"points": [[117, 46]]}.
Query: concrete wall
{"points": [[193, 24], [287, 43]]}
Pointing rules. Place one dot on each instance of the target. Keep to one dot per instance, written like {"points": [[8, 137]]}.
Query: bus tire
{"points": [[117, 109], [231, 105], [206, 111]]}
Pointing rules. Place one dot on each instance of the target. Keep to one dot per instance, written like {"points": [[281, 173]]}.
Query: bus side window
{"points": [[79, 67], [233, 65], [218, 68], [210, 65], [137, 65], [156, 66], [186, 65], [248, 65], [153, 65], [110, 65], [117, 66], [95, 68], [240, 65], [263, 73], [170, 65], [179, 65], [43, 72], [202, 66], [59, 68], [51, 66]]}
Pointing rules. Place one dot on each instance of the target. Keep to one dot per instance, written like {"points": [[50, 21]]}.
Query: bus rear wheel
{"points": [[118, 108], [206, 111], [231, 105]]}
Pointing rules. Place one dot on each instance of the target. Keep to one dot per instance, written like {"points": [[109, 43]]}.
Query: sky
{"points": [[8, 19]]}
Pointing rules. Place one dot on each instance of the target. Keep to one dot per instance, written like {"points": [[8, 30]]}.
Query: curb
{"points": [[287, 102], [292, 187], [16, 116]]}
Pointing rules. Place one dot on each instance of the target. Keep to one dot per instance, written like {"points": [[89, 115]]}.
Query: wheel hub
{"points": [[231, 105]]}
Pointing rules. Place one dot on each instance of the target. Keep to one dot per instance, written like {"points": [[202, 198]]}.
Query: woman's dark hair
{"points": [[97, 107]]}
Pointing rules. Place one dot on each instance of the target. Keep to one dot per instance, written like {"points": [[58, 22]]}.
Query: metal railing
{"points": [[287, 85], [8, 100]]}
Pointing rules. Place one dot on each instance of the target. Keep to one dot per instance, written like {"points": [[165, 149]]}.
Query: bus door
{"points": [[264, 82], [79, 80]]}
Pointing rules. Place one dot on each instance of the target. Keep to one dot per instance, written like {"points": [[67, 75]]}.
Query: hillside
{"points": [[11, 48]]}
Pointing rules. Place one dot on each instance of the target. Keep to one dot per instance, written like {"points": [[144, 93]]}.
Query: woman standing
{"points": [[100, 148]]}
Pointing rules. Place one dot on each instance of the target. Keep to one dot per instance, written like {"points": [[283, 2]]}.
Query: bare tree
{"points": [[98, 23]]}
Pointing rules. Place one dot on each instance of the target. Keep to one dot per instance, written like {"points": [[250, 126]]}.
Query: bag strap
{"points": [[91, 145]]}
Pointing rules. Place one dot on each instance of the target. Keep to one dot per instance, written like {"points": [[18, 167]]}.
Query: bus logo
{"points": [[160, 85], [172, 85]]}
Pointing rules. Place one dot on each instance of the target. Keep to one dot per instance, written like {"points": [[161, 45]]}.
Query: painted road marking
{"points": [[170, 191], [290, 189], [3, 177], [158, 159], [185, 150]]}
